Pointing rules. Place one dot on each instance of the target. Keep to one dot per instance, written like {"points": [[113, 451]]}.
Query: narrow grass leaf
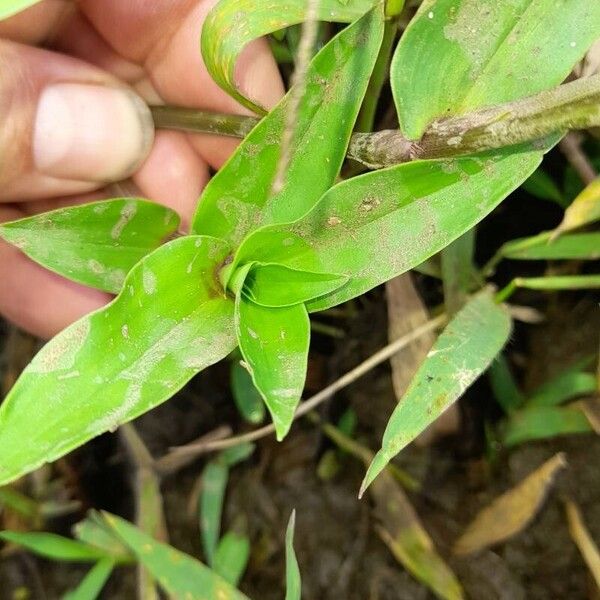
{"points": [[542, 186], [504, 386], [584, 541], [512, 512], [91, 586], [543, 422], [56, 547], [458, 357], [274, 343], [292, 570], [576, 246], [231, 557], [170, 322], [278, 286], [237, 454], [459, 55], [584, 209], [179, 575], [95, 244], [247, 398], [379, 225], [238, 199], [565, 386], [458, 271], [93, 531], [214, 482], [232, 24]]}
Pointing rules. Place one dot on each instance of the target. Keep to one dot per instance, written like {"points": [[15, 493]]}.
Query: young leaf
{"points": [[456, 360], [180, 575], [214, 482], [231, 557], [247, 398], [8, 8], [541, 422], [513, 511], [232, 24], [379, 225], [54, 546], [278, 286], [238, 198], [170, 321], [458, 55], [274, 343], [576, 246], [94, 581], [95, 244], [292, 571]]}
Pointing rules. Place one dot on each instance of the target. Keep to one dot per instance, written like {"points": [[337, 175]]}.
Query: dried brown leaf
{"points": [[582, 538]]}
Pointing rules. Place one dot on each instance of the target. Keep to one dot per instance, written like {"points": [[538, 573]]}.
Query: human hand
{"points": [[71, 123]]}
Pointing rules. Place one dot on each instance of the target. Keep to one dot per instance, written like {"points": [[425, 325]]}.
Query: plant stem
{"points": [[571, 106]]}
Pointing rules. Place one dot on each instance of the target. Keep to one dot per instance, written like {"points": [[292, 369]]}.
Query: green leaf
{"points": [[214, 482], [566, 386], [278, 286], [93, 531], [238, 199], [237, 454], [458, 271], [292, 571], [54, 546], [504, 386], [94, 581], [541, 422], [8, 8], [458, 357], [180, 575], [458, 55], [379, 225], [580, 246], [542, 186], [274, 343], [94, 244], [550, 283], [247, 398], [169, 322], [232, 24], [232, 556]]}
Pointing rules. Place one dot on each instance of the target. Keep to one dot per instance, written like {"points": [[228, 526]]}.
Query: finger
{"points": [[37, 300], [68, 127]]}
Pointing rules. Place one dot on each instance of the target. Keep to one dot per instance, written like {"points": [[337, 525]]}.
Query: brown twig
{"points": [[570, 146]]}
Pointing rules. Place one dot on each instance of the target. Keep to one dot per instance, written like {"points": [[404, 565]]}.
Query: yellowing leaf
{"points": [[581, 536], [512, 512], [585, 208]]}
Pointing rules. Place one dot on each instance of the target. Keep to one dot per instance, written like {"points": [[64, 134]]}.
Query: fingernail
{"points": [[91, 132]]}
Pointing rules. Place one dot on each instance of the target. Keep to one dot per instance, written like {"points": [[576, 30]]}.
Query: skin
{"points": [[150, 46]]}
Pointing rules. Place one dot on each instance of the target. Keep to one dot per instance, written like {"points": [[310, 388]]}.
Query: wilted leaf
{"points": [[169, 322], [11, 7], [581, 246], [232, 24], [379, 225], [512, 512], [541, 422], [94, 581], [403, 533], [458, 357], [238, 199], [274, 343], [292, 571], [231, 557], [584, 209], [177, 573], [459, 55], [581, 536], [95, 244]]}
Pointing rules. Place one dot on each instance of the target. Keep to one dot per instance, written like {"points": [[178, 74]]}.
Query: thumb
{"points": [[67, 127]]}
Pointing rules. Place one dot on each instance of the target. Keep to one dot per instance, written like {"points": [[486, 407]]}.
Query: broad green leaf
{"points": [[459, 55], [94, 244], [94, 581], [584, 209], [8, 8], [180, 575], [278, 286], [292, 571], [232, 24], [231, 557], [214, 482], [542, 186], [54, 546], [581, 246], [169, 322], [565, 387], [463, 351], [541, 422], [274, 343], [238, 199], [247, 398], [504, 386], [379, 225]]}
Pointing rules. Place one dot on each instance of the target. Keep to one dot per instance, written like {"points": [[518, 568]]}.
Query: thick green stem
{"points": [[573, 105]]}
